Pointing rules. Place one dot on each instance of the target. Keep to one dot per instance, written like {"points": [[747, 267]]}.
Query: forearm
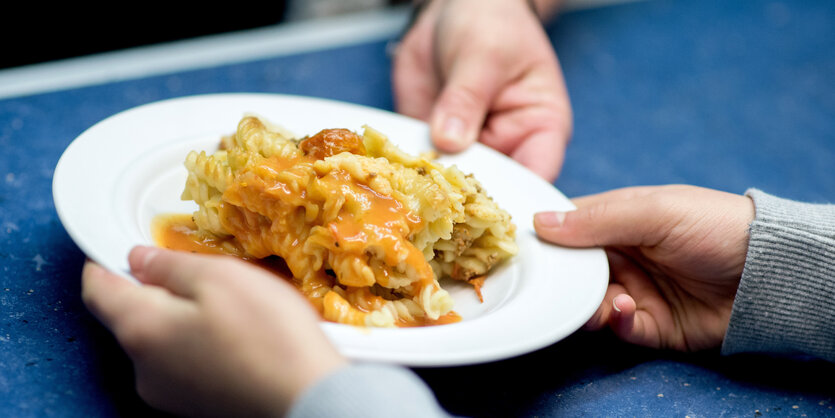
{"points": [[368, 391], [786, 298]]}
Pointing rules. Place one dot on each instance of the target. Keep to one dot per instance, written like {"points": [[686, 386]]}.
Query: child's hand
{"points": [[211, 335]]}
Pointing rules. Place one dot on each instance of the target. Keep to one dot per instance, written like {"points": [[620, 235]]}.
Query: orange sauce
{"points": [[381, 220], [258, 196], [478, 283], [177, 231]]}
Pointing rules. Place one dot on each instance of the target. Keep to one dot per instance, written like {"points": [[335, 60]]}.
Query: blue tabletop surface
{"points": [[722, 94]]}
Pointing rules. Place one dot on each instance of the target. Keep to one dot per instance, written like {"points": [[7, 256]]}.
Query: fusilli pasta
{"points": [[365, 229]]}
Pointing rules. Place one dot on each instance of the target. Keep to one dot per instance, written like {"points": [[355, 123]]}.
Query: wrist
{"points": [[538, 7]]}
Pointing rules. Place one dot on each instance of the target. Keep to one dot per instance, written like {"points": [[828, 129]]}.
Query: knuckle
{"points": [[594, 213]]}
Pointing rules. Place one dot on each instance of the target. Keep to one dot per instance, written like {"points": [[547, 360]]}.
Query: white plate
{"points": [[116, 176]]}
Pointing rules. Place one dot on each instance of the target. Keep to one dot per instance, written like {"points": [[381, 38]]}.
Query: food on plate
{"points": [[365, 229]]}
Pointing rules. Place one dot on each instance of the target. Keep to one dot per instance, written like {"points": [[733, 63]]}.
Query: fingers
{"points": [[414, 71], [132, 312], [106, 295], [633, 325], [462, 106], [626, 217], [414, 82], [534, 133], [623, 319], [190, 276], [619, 309], [176, 271], [620, 313], [601, 317], [542, 153], [531, 120]]}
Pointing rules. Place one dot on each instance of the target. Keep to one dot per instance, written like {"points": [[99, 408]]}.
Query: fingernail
{"points": [[549, 219], [615, 304], [453, 130]]}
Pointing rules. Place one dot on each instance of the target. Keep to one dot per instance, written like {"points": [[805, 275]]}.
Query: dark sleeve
{"points": [[368, 391], [786, 298]]}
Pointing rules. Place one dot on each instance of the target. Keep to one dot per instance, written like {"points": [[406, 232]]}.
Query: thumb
{"points": [[176, 271], [463, 103], [605, 220]]}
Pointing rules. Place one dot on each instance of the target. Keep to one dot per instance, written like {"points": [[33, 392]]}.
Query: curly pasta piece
{"points": [[365, 229]]}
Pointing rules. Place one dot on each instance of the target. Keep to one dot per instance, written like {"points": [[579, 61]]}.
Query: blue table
{"points": [[722, 94]]}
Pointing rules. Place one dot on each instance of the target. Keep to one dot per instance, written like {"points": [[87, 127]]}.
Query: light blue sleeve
{"points": [[368, 391]]}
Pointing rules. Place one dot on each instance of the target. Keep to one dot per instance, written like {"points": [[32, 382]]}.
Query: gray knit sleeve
{"points": [[368, 391], [786, 298]]}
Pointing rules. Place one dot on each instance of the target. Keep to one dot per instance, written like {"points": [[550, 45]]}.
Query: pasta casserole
{"points": [[365, 229]]}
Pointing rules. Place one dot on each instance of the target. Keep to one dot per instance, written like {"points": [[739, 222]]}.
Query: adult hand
{"points": [[676, 254], [211, 335], [485, 70]]}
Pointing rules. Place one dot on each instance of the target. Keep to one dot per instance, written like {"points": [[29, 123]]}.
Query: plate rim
{"points": [[334, 331]]}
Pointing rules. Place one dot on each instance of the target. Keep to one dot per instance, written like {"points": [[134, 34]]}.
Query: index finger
{"points": [[107, 296]]}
